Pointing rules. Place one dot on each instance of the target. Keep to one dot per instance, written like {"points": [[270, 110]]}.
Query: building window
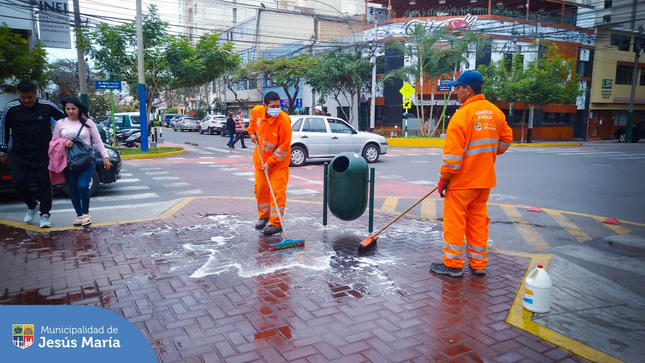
{"points": [[624, 74], [234, 15], [606, 18], [642, 81], [620, 41], [608, 4]]}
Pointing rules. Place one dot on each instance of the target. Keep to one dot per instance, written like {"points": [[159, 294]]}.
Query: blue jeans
{"points": [[79, 188], [231, 137]]}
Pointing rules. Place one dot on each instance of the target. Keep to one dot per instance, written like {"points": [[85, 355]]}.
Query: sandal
{"points": [[86, 220], [78, 221]]}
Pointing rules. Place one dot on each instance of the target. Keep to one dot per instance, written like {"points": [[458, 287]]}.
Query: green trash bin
{"points": [[348, 180]]}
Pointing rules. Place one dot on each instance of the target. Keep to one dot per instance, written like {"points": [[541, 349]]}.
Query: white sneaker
{"points": [[31, 214], [44, 221]]}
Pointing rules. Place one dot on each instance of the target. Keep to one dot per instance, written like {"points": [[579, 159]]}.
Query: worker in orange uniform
{"points": [[476, 134], [270, 130]]}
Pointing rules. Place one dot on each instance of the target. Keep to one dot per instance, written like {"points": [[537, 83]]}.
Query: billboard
{"points": [[54, 23]]}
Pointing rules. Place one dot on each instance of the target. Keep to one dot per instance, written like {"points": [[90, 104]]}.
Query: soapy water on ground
{"points": [[232, 245]]}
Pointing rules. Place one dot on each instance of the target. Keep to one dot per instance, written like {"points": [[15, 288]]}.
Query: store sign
{"points": [[607, 85], [54, 24]]}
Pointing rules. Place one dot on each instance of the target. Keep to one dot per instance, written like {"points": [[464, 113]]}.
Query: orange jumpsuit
{"points": [[476, 134], [274, 142]]}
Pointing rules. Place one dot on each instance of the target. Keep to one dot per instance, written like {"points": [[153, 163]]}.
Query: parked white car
{"points": [[212, 124], [325, 137], [186, 123]]}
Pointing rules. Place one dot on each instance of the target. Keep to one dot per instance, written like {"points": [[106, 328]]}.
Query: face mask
{"points": [[273, 112]]}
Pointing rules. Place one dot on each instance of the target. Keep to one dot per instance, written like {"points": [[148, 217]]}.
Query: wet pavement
{"points": [[201, 285]]}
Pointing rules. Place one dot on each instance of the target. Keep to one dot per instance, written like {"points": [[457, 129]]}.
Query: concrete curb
{"points": [[434, 142], [150, 156]]}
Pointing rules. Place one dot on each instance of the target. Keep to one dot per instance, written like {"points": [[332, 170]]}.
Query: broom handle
{"points": [[406, 211], [275, 202]]}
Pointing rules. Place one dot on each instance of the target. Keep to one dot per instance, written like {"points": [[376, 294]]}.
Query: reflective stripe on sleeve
{"points": [[481, 150], [456, 167]]}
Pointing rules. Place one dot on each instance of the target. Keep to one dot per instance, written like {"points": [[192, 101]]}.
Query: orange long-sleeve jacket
{"points": [[476, 134], [274, 135]]}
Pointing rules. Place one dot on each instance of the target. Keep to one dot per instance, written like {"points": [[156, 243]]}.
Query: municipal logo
{"points": [[258, 121], [23, 335], [478, 126]]}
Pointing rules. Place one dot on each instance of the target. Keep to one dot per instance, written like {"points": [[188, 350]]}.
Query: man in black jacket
{"points": [[25, 133]]}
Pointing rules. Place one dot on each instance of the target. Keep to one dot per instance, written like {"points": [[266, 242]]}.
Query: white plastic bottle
{"points": [[537, 291]]}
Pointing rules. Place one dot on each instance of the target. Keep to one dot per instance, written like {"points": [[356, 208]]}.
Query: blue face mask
{"points": [[273, 112]]}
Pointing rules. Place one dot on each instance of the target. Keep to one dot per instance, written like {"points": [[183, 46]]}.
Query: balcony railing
{"points": [[556, 17]]}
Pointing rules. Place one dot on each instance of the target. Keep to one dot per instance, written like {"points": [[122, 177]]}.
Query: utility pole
{"points": [[82, 81], [373, 100], [143, 109], [638, 50]]}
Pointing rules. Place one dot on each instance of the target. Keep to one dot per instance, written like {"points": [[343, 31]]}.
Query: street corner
{"points": [[202, 283]]}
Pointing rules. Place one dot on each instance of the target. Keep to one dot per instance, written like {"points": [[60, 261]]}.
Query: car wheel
{"points": [[621, 138], [298, 155], [211, 131], [201, 131], [370, 153]]}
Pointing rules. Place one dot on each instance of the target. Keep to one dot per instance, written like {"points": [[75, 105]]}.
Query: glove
{"points": [[442, 186]]}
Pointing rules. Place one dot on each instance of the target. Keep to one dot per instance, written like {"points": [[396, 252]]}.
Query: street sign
{"points": [[297, 104], [107, 84], [443, 85], [407, 90], [407, 104]]}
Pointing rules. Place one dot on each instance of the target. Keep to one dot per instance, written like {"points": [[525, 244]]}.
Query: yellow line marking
{"points": [[522, 318], [429, 209], [524, 228], [618, 229], [389, 205], [150, 156], [569, 226]]}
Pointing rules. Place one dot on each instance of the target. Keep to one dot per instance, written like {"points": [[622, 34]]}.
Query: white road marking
{"points": [[160, 178], [125, 188], [150, 168], [245, 173], [131, 180], [156, 172], [422, 182], [302, 191], [188, 192], [176, 185], [120, 198]]}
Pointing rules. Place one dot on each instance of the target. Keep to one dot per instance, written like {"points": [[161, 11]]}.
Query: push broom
{"points": [[286, 242], [371, 240]]}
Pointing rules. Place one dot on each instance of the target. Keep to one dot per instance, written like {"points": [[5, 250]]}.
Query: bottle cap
{"points": [[540, 266]]}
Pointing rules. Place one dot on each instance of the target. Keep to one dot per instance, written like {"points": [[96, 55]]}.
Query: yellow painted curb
{"points": [[157, 155], [434, 142], [522, 318]]}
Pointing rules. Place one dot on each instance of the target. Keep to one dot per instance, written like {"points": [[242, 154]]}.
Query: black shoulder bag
{"points": [[79, 156]]}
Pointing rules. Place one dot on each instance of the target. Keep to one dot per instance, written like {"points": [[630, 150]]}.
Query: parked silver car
{"points": [[186, 123], [211, 124], [326, 136]]}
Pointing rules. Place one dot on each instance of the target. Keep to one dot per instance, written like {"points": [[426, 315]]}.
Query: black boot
{"points": [[261, 223], [271, 229]]}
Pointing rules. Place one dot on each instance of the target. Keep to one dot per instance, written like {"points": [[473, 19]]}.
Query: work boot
{"points": [[441, 269], [44, 221], [481, 271], [261, 223], [31, 214], [271, 229]]}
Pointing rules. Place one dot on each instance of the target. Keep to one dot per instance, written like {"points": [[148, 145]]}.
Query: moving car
{"points": [[638, 132], [186, 123], [100, 175], [326, 136], [212, 124]]}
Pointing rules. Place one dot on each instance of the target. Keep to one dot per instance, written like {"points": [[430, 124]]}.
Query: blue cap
{"points": [[469, 78]]}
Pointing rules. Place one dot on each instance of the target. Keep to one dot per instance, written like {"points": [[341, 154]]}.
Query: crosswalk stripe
{"points": [[429, 209], [569, 226], [160, 178], [130, 180], [527, 231], [616, 228], [188, 192], [119, 198], [176, 185], [389, 205]]}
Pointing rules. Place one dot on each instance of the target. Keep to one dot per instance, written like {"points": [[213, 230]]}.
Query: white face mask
{"points": [[273, 112]]}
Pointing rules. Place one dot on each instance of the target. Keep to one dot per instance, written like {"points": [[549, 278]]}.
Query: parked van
{"points": [[128, 120], [165, 121]]}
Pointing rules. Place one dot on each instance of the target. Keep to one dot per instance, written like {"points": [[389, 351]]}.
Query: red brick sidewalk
{"points": [[244, 303]]}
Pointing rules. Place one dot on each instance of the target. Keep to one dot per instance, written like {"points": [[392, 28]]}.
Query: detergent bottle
{"points": [[537, 291]]}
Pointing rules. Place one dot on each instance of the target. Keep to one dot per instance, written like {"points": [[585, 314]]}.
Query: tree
{"points": [[337, 72], [547, 79], [283, 72], [18, 62]]}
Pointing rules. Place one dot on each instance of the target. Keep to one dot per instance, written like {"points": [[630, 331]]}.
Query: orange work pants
{"points": [[266, 208], [464, 213]]}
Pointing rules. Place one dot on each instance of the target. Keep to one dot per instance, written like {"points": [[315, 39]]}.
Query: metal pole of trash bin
{"points": [[325, 187], [371, 212]]}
